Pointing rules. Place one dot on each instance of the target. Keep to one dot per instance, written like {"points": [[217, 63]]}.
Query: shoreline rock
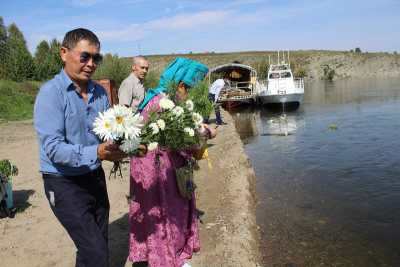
{"points": [[226, 193]]}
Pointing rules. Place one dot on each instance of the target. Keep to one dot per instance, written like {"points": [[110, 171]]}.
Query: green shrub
{"points": [[151, 80], [199, 95], [7, 169], [113, 68], [17, 100]]}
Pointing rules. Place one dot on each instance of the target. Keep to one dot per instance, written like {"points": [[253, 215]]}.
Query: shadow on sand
{"points": [[119, 241]]}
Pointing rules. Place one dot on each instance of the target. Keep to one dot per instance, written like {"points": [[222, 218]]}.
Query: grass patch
{"points": [[17, 100]]}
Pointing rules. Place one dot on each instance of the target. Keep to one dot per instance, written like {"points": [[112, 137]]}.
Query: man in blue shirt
{"points": [[70, 152]]}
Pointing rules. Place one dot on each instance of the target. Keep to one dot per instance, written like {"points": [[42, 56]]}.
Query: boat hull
{"points": [[276, 99]]}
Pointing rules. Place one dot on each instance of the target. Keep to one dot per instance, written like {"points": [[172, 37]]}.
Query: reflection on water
{"points": [[328, 175]]}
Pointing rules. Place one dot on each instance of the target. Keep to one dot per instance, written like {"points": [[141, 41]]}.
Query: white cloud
{"points": [[188, 21], [181, 22], [245, 2], [84, 3], [133, 32]]}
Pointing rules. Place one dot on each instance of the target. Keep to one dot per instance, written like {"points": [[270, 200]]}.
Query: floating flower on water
{"points": [[152, 146], [189, 131], [161, 124], [166, 103], [178, 111], [154, 128], [189, 105]]}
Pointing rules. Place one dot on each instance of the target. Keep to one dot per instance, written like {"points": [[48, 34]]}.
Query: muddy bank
{"points": [[225, 195]]}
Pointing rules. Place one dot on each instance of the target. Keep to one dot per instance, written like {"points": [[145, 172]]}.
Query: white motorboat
{"points": [[281, 86]]}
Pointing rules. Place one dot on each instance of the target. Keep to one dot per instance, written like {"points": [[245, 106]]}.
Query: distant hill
{"points": [[312, 64]]}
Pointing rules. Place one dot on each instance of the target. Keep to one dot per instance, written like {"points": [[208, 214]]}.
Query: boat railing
{"points": [[299, 83], [241, 86], [237, 91]]}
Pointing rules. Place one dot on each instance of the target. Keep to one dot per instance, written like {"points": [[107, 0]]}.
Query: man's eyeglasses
{"points": [[86, 56]]}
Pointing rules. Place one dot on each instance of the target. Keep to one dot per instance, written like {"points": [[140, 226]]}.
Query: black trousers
{"points": [[218, 118], [81, 205]]}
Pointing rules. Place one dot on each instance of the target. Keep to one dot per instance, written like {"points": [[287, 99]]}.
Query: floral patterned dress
{"points": [[163, 225]]}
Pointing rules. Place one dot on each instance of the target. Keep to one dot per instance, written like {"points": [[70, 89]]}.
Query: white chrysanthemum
{"points": [[154, 128], [152, 146], [103, 126], [197, 119], [133, 126], [178, 111], [161, 124], [166, 103], [189, 131], [130, 145], [120, 115], [189, 105]]}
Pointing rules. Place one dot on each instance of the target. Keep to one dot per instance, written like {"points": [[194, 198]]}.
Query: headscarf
{"points": [[181, 69]]}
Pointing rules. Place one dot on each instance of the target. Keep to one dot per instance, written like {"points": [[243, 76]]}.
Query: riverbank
{"points": [[225, 194], [312, 64]]}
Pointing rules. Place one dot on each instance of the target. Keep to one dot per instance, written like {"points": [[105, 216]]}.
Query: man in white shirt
{"points": [[132, 91], [213, 94]]}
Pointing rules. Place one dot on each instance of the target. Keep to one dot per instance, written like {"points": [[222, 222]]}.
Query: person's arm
{"points": [[138, 93], [125, 94], [51, 132]]}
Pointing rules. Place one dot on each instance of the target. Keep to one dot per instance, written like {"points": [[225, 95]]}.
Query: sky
{"points": [[132, 27]]}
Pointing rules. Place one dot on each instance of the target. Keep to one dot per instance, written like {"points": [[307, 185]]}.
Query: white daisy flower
{"points": [[129, 145], [197, 119], [189, 105], [189, 131], [166, 103], [161, 124], [154, 128], [120, 115], [152, 146], [178, 111], [134, 126], [103, 126]]}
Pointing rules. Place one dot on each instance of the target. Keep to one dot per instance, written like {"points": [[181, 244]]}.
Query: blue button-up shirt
{"points": [[64, 125]]}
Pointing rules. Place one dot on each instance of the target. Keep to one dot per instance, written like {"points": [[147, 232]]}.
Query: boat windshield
{"points": [[274, 75], [286, 75], [279, 67]]}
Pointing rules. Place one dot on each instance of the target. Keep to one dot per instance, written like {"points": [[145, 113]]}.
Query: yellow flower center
{"points": [[119, 119], [107, 125]]}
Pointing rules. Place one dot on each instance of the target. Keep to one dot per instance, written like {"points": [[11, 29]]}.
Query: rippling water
{"points": [[328, 175]]}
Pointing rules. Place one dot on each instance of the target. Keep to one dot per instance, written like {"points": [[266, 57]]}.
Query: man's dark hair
{"points": [[73, 37]]}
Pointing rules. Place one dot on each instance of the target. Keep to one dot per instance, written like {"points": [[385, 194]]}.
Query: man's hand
{"points": [[110, 151], [212, 132]]}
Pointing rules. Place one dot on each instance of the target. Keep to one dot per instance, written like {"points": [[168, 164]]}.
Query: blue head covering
{"points": [[181, 69]]}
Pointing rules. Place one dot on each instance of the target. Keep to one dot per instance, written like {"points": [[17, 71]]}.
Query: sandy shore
{"points": [[225, 194]]}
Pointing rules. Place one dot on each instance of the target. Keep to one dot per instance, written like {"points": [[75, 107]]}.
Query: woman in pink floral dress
{"points": [[163, 224]]}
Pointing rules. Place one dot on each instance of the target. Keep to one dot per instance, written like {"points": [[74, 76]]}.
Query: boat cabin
{"points": [[243, 79]]}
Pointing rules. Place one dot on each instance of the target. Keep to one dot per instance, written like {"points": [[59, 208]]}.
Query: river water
{"points": [[328, 175]]}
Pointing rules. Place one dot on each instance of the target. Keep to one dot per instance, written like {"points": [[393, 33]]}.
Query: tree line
{"points": [[17, 63]]}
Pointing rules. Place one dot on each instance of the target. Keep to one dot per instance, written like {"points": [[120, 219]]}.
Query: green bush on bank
{"points": [[17, 100]]}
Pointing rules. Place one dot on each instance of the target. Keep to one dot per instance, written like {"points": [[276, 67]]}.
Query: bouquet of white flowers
{"points": [[173, 128], [120, 125]]}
